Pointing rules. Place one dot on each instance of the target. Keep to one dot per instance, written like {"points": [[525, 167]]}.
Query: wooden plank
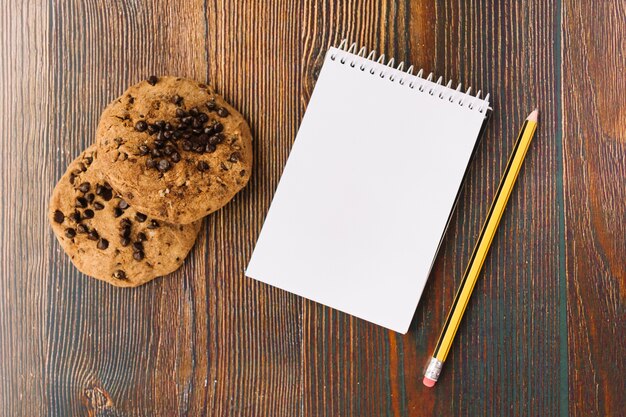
{"points": [[144, 348], [252, 48], [25, 185], [506, 359], [594, 155]]}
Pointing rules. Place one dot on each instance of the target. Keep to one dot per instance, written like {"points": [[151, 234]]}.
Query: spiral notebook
{"points": [[368, 188]]}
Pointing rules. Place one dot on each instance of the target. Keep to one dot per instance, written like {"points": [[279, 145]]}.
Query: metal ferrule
{"points": [[434, 369]]}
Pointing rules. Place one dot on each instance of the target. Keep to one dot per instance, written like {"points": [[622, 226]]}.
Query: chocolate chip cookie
{"points": [[174, 149], [105, 236]]}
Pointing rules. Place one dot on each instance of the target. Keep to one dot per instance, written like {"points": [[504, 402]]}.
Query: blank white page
{"points": [[365, 195]]}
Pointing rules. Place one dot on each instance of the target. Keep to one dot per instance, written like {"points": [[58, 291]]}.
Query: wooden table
{"points": [[545, 333]]}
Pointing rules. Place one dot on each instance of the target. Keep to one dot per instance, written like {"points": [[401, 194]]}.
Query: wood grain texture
{"points": [[544, 334], [139, 346], [26, 178], [252, 50], [594, 155]]}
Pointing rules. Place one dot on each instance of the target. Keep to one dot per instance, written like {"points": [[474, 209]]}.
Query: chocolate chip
{"points": [[123, 204], [222, 112], [103, 244], [117, 212], [125, 223], [81, 202], [138, 245], [144, 150], [180, 113], [203, 139], [72, 178], [168, 150], [119, 274], [138, 255], [210, 148], [175, 157], [93, 235], [88, 214], [152, 80], [90, 197], [152, 129], [158, 143], [211, 105], [202, 166], [140, 217], [234, 157], [153, 224], [124, 241], [141, 126], [164, 165], [104, 191], [209, 130], [88, 160], [217, 138], [186, 145], [202, 118], [187, 120], [82, 167], [199, 148], [59, 217], [194, 111], [141, 237], [98, 205], [150, 163], [125, 232], [70, 233], [218, 127], [75, 216], [108, 194], [155, 153], [81, 228], [196, 123], [84, 187], [160, 124], [178, 100], [167, 134]]}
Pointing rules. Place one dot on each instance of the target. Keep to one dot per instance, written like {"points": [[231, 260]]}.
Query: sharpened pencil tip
{"points": [[533, 116]]}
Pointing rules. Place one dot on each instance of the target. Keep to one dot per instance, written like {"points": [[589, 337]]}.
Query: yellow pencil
{"points": [[480, 250]]}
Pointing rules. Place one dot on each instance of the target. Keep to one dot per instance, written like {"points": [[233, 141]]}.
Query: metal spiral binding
{"points": [[439, 90]]}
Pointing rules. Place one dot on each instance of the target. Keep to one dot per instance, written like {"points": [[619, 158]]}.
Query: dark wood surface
{"points": [[545, 333]]}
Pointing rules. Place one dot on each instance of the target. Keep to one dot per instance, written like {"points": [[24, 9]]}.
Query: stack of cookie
{"points": [[168, 152]]}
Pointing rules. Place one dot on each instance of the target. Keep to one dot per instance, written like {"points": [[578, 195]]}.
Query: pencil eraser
{"points": [[429, 382]]}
